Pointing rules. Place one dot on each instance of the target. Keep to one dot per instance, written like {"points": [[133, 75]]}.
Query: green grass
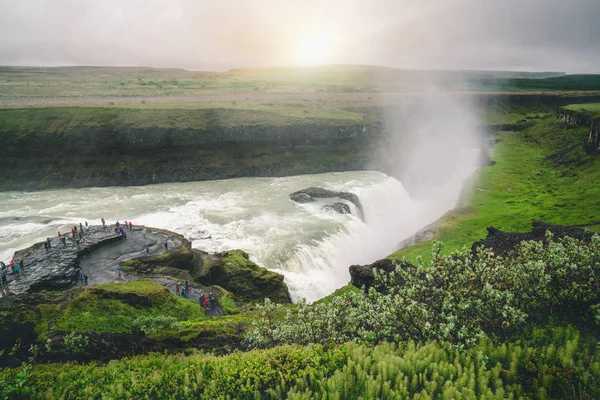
{"points": [[114, 307], [553, 363], [541, 173], [592, 109], [52, 120], [340, 292]]}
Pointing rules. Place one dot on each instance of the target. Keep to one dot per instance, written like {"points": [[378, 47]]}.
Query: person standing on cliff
{"points": [[177, 289], [130, 225], [85, 278], [64, 240], [4, 280], [49, 242], [103, 222]]}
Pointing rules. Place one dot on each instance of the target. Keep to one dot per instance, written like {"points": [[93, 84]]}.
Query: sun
{"points": [[313, 50]]}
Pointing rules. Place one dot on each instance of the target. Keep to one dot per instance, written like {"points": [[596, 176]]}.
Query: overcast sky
{"points": [[534, 35]]}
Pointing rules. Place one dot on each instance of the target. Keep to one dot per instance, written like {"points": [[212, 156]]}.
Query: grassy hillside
{"points": [[541, 173], [552, 364]]}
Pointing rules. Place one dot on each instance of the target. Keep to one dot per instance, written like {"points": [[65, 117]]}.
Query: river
{"points": [[311, 247]]}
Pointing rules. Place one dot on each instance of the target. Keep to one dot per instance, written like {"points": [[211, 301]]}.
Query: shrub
{"points": [[76, 343], [460, 298], [561, 365]]}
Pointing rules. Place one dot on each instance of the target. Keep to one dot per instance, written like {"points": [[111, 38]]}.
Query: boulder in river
{"points": [[339, 207], [322, 193], [301, 198]]}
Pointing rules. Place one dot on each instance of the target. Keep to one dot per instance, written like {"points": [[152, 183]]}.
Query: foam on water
{"points": [[312, 247]]}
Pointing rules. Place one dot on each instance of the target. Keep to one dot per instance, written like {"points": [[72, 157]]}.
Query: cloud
{"points": [[197, 34]]}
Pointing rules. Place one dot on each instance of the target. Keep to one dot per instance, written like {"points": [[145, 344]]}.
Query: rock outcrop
{"points": [[311, 193], [248, 282], [57, 267], [502, 243], [362, 276], [583, 118], [339, 207], [97, 254]]}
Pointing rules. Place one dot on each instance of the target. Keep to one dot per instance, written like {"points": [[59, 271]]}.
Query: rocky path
{"points": [[97, 255], [101, 264], [58, 266]]}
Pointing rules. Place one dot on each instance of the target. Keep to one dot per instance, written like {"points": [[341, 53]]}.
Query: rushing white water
{"points": [[312, 247]]}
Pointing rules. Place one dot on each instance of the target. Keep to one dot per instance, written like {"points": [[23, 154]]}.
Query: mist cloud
{"points": [[197, 34]]}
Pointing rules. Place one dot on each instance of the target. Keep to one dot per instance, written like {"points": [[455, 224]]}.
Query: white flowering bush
{"points": [[459, 298]]}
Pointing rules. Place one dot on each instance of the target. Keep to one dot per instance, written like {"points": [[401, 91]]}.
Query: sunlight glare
{"points": [[313, 50]]}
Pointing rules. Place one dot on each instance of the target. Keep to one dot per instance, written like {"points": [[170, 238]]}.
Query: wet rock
{"points": [[322, 193], [247, 281], [339, 207], [502, 243], [58, 267], [301, 198], [100, 250]]}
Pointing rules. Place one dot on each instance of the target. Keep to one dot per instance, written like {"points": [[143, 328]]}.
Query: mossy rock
{"points": [[249, 282]]}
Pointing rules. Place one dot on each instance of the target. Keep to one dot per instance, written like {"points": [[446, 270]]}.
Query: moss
{"points": [[228, 305], [114, 307], [248, 282], [48, 313]]}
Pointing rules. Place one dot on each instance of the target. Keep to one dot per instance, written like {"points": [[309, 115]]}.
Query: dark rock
{"points": [[502, 243], [321, 193], [247, 281], [301, 198], [583, 118], [341, 208], [58, 267], [97, 255], [362, 275]]}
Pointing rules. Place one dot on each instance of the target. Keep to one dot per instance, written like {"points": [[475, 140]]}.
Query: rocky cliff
{"points": [[113, 154], [583, 118]]}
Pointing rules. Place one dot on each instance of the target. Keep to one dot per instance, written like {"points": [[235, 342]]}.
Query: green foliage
{"points": [[76, 343], [155, 324], [460, 299], [556, 364], [228, 305], [115, 307]]}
